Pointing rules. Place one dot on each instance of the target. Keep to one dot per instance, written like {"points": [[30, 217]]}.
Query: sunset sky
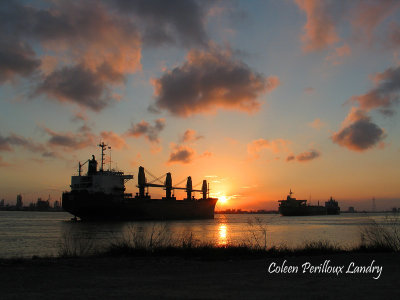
{"points": [[256, 96]]}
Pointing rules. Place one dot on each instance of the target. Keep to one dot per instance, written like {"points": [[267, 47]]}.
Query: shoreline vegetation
{"points": [[158, 241]]}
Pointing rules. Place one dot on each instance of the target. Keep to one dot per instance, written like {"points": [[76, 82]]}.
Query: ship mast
{"points": [[103, 147]]}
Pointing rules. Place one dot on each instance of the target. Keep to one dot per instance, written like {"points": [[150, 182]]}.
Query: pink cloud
{"points": [[319, 31], [369, 14], [190, 135], [113, 140], [337, 57], [317, 124], [276, 146]]}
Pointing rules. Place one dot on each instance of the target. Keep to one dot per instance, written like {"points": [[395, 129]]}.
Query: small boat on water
{"points": [[293, 207]]}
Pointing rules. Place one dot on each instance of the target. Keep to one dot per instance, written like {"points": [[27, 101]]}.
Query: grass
{"points": [[158, 241], [382, 236]]}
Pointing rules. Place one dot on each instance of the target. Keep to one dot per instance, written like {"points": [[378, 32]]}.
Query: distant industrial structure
{"points": [[39, 205], [19, 203]]}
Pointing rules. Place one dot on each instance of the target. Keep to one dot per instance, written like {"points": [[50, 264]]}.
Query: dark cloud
{"points": [[358, 133], [144, 128], [16, 58], [91, 49], [7, 142], [290, 158], [90, 46], [4, 144], [384, 95], [69, 140], [307, 156], [78, 85], [182, 154], [209, 80], [173, 21]]}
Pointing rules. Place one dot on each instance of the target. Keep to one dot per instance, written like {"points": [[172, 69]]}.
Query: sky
{"points": [[257, 97]]}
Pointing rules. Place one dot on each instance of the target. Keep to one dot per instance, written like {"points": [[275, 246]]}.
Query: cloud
{"points": [[316, 124], [4, 144], [20, 141], [290, 158], [394, 35], [384, 95], [358, 133], [276, 146], [337, 57], [190, 135], [181, 154], [167, 22], [113, 140], [206, 154], [319, 31], [369, 14], [16, 58], [85, 46], [76, 85], [209, 80], [324, 18], [147, 130], [307, 156], [69, 140]]}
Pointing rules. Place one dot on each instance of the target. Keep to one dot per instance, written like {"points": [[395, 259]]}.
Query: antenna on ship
{"points": [[110, 158], [103, 147]]}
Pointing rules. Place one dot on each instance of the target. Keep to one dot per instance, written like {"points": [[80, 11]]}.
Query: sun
{"points": [[222, 199]]}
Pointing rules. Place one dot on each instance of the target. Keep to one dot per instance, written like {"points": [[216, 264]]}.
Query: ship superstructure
{"points": [[100, 195]]}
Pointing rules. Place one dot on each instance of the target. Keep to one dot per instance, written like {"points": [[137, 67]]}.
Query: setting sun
{"points": [[223, 199]]}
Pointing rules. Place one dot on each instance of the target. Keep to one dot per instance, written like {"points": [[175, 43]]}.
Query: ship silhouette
{"points": [[293, 207], [100, 195]]}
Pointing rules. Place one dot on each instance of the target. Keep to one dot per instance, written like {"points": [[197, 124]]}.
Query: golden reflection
{"points": [[222, 239]]}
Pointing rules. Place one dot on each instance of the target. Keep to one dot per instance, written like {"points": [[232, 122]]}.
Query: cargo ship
{"points": [[293, 207], [99, 195]]}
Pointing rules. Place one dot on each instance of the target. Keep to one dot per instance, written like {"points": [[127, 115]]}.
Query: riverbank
{"points": [[172, 277]]}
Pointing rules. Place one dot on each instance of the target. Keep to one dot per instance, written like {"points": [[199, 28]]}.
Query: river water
{"points": [[27, 234]]}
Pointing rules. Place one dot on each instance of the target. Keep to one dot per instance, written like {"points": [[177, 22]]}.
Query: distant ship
{"points": [[293, 207], [100, 195]]}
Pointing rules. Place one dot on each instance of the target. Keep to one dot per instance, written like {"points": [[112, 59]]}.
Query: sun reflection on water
{"points": [[222, 238]]}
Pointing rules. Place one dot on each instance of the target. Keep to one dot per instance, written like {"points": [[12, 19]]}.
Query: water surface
{"points": [[26, 234]]}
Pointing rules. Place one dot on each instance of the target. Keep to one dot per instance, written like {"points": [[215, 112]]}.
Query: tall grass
{"points": [[159, 240], [75, 245], [382, 236]]}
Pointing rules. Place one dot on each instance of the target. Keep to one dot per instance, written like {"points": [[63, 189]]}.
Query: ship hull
{"points": [[100, 207], [303, 211]]}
